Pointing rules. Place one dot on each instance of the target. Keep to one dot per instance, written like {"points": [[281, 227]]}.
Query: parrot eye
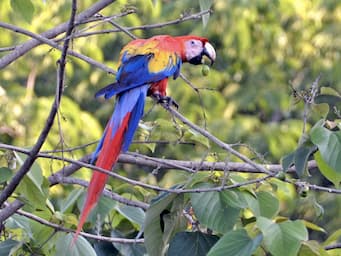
{"points": [[192, 42]]}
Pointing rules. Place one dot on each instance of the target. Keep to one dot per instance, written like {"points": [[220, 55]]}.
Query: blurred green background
{"points": [[263, 49]]}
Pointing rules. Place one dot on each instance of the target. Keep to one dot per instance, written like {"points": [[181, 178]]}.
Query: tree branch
{"points": [[22, 49], [215, 140], [9, 189], [61, 228], [53, 44]]}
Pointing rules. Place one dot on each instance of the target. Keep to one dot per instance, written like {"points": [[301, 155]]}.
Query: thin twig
{"points": [[61, 228], [146, 27], [216, 140]]}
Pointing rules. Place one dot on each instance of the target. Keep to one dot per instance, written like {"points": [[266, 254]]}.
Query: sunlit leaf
{"points": [[282, 239], [326, 170], [328, 143], [313, 226], [312, 248], [263, 204], [191, 243], [235, 243]]}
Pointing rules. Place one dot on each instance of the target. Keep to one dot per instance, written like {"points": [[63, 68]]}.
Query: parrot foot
{"points": [[166, 100]]}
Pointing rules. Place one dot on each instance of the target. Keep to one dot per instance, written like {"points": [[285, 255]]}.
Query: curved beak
{"points": [[209, 52]]}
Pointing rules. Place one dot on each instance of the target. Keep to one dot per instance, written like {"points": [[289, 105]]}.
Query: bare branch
{"points": [[61, 228], [68, 180], [27, 46], [215, 140], [10, 209], [9, 189], [53, 44]]}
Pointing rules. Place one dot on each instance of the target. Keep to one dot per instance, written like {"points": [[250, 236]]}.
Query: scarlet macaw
{"points": [[145, 65]]}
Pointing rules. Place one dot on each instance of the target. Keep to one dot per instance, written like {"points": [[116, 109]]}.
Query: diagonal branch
{"points": [[215, 140], [22, 49], [9, 189], [61, 228]]}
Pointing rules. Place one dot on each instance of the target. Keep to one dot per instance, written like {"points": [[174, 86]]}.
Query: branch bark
{"points": [[9, 189], [22, 49]]}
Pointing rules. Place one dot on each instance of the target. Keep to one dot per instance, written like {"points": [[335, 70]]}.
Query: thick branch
{"points": [[10, 209]]}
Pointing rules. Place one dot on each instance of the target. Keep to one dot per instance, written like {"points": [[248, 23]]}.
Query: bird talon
{"points": [[166, 100]]}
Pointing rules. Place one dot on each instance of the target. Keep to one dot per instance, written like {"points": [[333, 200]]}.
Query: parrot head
{"points": [[195, 48]]}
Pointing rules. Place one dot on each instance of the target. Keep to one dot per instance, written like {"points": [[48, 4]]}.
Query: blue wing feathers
{"points": [[133, 79], [135, 117], [134, 73]]}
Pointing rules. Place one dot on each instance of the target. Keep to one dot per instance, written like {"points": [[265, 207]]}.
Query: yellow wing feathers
{"points": [[161, 57]]}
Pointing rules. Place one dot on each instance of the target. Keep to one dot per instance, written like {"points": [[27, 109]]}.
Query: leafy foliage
{"points": [[245, 98]]}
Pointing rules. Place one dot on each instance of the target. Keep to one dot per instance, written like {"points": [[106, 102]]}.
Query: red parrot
{"points": [[145, 66]]}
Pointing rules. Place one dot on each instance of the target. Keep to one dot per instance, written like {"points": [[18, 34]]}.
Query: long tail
{"points": [[117, 137]]}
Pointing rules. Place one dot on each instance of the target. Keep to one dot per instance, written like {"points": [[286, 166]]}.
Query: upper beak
{"points": [[209, 52]]}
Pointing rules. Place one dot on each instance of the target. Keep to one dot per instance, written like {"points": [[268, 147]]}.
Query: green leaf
{"points": [[81, 247], [5, 174], [174, 220], [33, 195], [153, 235], [133, 214], [301, 158], [233, 198], [197, 137], [312, 248], [103, 207], [235, 243], [288, 160], [334, 237], [103, 248], [68, 202], [23, 8], [19, 222], [264, 204], [205, 5], [328, 143], [128, 249], [283, 239], [212, 210], [7, 245], [326, 170], [191, 243], [313, 226]]}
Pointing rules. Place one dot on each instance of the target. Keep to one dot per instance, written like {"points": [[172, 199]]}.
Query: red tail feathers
{"points": [[107, 158]]}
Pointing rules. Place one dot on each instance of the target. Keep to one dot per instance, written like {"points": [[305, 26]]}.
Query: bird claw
{"points": [[166, 100]]}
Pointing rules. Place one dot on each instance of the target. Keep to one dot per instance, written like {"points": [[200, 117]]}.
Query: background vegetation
{"points": [[272, 95]]}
